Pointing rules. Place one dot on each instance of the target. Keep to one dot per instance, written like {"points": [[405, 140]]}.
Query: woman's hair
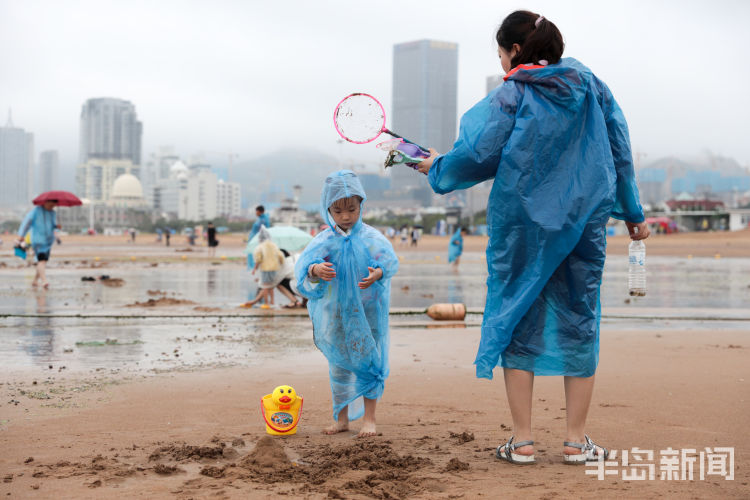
{"points": [[538, 37]]}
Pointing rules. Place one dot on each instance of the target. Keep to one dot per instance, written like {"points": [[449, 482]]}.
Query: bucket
{"points": [[447, 311], [281, 411]]}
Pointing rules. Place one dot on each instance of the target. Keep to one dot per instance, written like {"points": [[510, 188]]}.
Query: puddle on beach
{"points": [[162, 343]]}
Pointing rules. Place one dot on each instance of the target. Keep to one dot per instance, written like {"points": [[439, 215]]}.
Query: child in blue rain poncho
{"points": [[456, 246], [556, 143], [346, 272]]}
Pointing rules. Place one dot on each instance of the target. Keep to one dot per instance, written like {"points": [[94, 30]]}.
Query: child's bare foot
{"points": [[367, 430], [340, 426]]}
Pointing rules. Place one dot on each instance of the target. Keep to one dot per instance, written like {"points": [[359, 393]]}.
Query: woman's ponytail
{"points": [[538, 37]]}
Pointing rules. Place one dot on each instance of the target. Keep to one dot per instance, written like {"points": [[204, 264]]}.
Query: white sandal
{"points": [[505, 452], [590, 452]]}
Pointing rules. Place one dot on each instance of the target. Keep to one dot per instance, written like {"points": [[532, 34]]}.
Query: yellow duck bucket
{"points": [[281, 410]]}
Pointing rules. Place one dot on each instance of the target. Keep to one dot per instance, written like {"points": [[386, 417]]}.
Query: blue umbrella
{"points": [[289, 238]]}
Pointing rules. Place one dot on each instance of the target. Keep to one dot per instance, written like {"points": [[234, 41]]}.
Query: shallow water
{"points": [[162, 343]]}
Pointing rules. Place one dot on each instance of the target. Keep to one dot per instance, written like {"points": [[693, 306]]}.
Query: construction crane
{"points": [[230, 156]]}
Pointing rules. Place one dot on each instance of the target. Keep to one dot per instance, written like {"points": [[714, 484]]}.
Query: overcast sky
{"points": [[253, 76]]}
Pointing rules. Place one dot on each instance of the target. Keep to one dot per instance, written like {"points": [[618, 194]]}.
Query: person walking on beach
{"points": [[345, 272], [557, 140], [456, 246], [269, 258], [260, 221], [167, 235], [42, 222], [212, 241]]}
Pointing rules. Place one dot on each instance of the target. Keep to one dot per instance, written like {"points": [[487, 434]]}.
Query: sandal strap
{"points": [[575, 445], [511, 446]]}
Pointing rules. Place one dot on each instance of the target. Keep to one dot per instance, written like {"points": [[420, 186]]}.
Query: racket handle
{"points": [[425, 151]]}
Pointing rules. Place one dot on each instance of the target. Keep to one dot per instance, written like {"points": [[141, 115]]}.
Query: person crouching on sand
{"points": [[345, 272]]}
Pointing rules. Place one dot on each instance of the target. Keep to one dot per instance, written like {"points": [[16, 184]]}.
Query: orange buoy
{"points": [[447, 311]]}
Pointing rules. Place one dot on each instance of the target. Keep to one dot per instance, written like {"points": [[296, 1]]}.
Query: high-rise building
{"points": [[49, 166], [228, 199], [110, 130], [16, 165], [110, 146], [425, 94]]}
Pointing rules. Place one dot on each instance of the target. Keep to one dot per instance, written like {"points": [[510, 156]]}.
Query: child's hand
{"points": [[375, 275], [324, 271], [425, 165]]}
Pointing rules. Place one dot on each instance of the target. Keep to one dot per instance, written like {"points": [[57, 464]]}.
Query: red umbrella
{"points": [[63, 198]]}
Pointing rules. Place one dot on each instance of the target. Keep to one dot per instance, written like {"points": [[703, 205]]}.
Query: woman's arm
{"points": [[28, 220], [627, 201], [484, 132]]}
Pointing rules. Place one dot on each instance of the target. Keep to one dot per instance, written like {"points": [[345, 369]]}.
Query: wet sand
{"points": [[726, 244], [193, 434], [171, 408]]}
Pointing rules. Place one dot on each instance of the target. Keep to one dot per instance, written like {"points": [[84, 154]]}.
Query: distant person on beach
{"points": [[414, 236], [167, 235], [346, 272], [212, 241], [261, 219], [269, 259], [456, 246], [554, 135], [42, 222], [404, 235]]}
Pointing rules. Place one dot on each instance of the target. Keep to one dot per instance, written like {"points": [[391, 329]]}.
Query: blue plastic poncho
{"points": [[557, 145], [261, 221], [456, 246], [42, 224], [350, 326]]}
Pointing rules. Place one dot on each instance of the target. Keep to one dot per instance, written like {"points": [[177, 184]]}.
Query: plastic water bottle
{"points": [[637, 268]]}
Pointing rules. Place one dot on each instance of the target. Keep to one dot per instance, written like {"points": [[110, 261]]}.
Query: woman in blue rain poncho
{"points": [[456, 246], [556, 143], [42, 222], [346, 272]]}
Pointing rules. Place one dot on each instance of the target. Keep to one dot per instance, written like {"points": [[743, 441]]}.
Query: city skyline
{"points": [[258, 85]]}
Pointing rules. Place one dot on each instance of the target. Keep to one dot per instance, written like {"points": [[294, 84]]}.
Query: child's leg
{"points": [[341, 425], [368, 422], [578, 392], [519, 385]]}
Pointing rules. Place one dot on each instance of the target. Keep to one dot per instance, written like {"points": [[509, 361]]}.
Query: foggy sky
{"points": [[254, 76]]}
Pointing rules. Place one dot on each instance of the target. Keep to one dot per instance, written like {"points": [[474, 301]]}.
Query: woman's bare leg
{"points": [[578, 391], [519, 385]]}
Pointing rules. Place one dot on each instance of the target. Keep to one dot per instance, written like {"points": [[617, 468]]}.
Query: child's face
{"points": [[345, 212]]}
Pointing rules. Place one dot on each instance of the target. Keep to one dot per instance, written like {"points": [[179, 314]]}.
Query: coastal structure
{"points": [[49, 167]]}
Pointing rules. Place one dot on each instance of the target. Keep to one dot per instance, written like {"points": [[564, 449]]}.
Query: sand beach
{"points": [[162, 399]]}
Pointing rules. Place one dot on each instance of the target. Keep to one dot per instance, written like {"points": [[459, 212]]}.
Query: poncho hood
{"points": [[338, 185]]}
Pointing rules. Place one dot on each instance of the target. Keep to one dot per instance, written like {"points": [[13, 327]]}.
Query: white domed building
{"points": [[127, 192]]}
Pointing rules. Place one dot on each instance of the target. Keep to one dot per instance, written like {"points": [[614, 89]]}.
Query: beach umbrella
{"points": [[63, 198], [289, 238]]}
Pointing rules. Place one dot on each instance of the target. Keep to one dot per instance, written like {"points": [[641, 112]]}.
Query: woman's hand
{"points": [[375, 275], [324, 271], [638, 230], [425, 165]]}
